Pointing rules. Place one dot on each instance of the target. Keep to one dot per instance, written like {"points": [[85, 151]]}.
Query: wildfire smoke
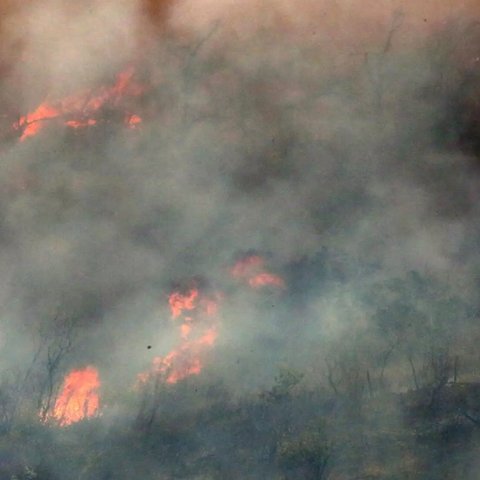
{"points": [[326, 135]]}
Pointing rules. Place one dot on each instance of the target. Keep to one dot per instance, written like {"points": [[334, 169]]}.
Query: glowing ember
{"points": [[185, 330], [251, 269], [80, 124], [78, 398], [244, 267], [76, 111], [266, 279], [133, 121]]}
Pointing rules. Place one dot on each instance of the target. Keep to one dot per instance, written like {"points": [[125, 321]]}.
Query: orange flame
{"points": [[186, 360], [198, 317], [78, 398], [251, 269], [133, 121], [182, 301], [76, 111], [198, 333]]}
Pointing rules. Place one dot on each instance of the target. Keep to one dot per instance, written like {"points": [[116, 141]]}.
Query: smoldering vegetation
{"points": [[353, 173]]}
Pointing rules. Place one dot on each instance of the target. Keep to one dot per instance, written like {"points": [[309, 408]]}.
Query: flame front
{"points": [[77, 111], [78, 398]]}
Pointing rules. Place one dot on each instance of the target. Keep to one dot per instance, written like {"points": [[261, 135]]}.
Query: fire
{"points": [[252, 270], [197, 314], [182, 301], [133, 121], [186, 360], [265, 279], [78, 398], [78, 111], [245, 266]]}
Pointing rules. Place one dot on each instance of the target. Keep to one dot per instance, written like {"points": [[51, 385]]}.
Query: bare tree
{"points": [[56, 343], [348, 379]]}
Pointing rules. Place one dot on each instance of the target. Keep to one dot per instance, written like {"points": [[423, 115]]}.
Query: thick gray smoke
{"points": [[334, 153], [263, 146]]}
